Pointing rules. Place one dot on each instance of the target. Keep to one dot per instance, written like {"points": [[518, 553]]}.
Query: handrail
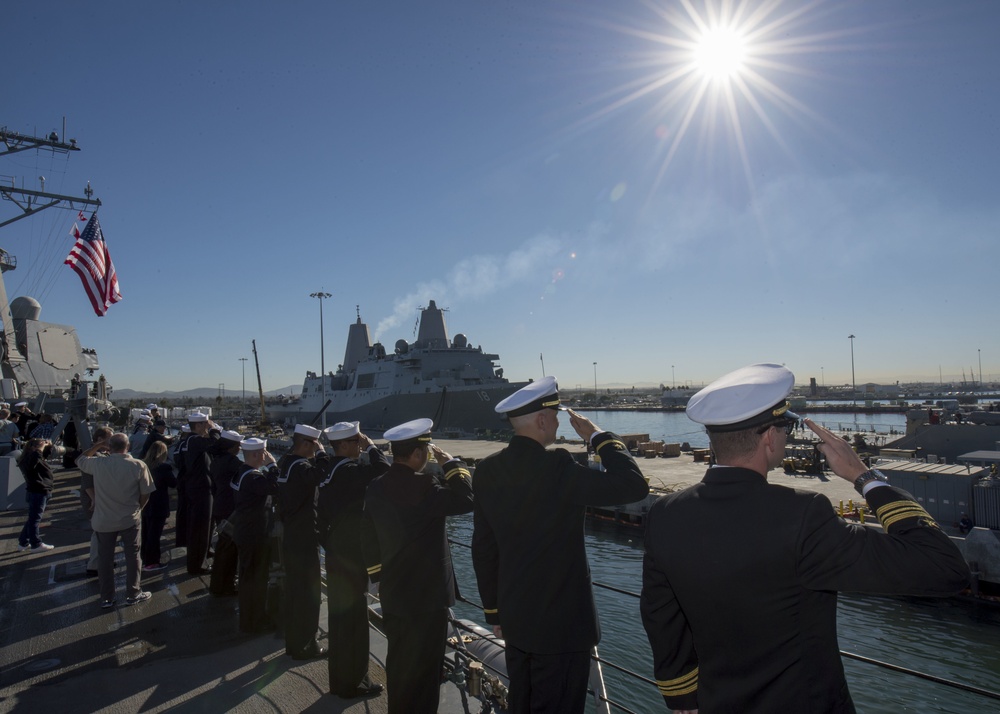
{"points": [[972, 689]]}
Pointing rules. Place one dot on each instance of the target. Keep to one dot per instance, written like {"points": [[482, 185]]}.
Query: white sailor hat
{"points": [[310, 432], [185, 429], [143, 416], [232, 436], [196, 417], [750, 396], [343, 430], [253, 444], [542, 394], [20, 404], [417, 429], [151, 407]]}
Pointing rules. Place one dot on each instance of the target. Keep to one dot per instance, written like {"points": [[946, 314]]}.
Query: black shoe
{"points": [[314, 652]]}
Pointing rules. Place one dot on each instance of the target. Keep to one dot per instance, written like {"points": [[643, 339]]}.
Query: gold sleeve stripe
{"points": [[684, 684], [489, 611], [463, 472], [375, 569], [900, 510], [616, 442]]}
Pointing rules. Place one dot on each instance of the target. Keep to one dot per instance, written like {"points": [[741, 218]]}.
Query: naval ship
{"points": [[449, 381], [44, 363]]}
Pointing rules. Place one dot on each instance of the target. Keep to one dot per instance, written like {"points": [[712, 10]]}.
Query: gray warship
{"points": [[449, 381]]}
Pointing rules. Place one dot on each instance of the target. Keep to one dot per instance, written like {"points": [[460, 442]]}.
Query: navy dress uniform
{"points": [[298, 478], [225, 466], [407, 509], [180, 463], [740, 577], [340, 517], [198, 494], [254, 488], [529, 555]]}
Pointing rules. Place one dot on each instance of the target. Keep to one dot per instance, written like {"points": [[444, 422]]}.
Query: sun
{"points": [[719, 53]]}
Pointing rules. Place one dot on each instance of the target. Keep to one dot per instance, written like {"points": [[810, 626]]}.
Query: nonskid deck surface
{"points": [[179, 651]]}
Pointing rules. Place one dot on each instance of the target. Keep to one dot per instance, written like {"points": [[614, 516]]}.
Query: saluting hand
{"points": [[839, 454], [582, 425], [440, 454]]}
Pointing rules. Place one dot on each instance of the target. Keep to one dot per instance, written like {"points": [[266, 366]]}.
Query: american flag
{"points": [[90, 260]]}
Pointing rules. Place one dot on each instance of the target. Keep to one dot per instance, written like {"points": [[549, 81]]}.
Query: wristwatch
{"points": [[867, 477]]}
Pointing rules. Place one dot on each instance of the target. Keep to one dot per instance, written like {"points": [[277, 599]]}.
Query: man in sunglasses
{"points": [[740, 577]]}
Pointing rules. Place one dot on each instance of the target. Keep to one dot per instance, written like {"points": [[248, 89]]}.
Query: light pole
{"points": [[854, 384], [980, 351], [243, 405], [322, 358], [673, 379], [595, 384], [822, 376]]}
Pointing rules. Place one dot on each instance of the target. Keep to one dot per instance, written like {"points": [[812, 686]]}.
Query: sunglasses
{"points": [[787, 424]]}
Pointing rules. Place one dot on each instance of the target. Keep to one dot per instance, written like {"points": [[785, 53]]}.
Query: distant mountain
{"points": [[201, 393]]}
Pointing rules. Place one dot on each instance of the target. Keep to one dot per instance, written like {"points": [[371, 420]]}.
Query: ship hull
{"points": [[453, 410]]}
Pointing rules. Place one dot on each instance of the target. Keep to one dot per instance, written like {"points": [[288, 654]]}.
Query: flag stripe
{"points": [[89, 258]]}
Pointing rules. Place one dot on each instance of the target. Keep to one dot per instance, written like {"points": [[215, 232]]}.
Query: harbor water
{"points": [[954, 639]]}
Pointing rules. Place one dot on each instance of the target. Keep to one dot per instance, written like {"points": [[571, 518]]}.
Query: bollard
{"points": [[475, 680], [841, 508]]}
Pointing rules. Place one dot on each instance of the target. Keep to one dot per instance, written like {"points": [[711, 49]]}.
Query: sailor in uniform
{"points": [[225, 467], [299, 473], [407, 509], [340, 516], [254, 484], [199, 449], [528, 547], [740, 577]]}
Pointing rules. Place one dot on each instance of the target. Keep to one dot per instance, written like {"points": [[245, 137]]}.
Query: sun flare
{"points": [[719, 53]]}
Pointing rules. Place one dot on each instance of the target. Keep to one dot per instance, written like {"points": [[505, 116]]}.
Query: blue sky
{"points": [[542, 169]]}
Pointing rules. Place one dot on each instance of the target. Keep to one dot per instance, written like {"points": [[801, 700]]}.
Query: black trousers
{"points": [[199, 528], [254, 565], [414, 661], [301, 595], [150, 531], [223, 580], [547, 683], [347, 617], [181, 517]]}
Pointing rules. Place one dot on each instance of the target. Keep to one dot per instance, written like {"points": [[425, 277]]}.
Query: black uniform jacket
{"points": [[225, 467], [298, 478], [250, 517], [413, 561], [198, 460], [528, 547], [341, 501], [740, 581]]}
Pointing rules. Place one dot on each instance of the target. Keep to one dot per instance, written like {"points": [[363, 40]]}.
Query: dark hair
{"points": [[729, 445], [402, 450], [33, 445]]}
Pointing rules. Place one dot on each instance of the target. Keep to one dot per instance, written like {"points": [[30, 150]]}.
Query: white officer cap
{"points": [[196, 417], [151, 407], [232, 436], [750, 396], [343, 430], [143, 416], [542, 394], [253, 444], [20, 404], [417, 429]]}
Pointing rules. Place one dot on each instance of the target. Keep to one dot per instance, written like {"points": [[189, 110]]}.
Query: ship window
{"points": [[366, 381]]}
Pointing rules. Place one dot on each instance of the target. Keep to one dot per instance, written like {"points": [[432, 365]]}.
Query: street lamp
{"points": [[673, 379], [595, 384], [980, 351], [244, 404], [854, 384], [322, 358]]}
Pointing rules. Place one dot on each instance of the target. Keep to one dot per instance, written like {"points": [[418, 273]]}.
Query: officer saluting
{"points": [[254, 484], [528, 548], [740, 577], [341, 514], [417, 583], [299, 473]]}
